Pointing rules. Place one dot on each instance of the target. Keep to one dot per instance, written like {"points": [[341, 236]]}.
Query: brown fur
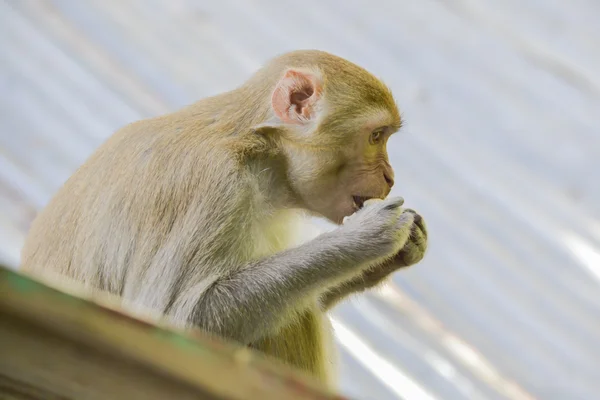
{"points": [[185, 214]]}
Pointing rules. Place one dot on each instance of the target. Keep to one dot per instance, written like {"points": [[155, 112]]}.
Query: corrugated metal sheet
{"points": [[501, 154]]}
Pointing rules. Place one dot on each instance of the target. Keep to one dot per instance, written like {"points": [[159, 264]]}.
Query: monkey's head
{"points": [[334, 120]]}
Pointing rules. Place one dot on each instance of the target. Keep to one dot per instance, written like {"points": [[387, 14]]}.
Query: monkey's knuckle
{"points": [[423, 246], [392, 203], [406, 220], [410, 254], [419, 245], [381, 217], [385, 238], [423, 228], [391, 206], [389, 213], [424, 238]]}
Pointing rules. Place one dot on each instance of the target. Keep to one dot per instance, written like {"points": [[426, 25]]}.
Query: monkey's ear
{"points": [[296, 95]]}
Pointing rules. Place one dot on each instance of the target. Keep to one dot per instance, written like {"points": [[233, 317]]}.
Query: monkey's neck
{"points": [[231, 118], [272, 183]]}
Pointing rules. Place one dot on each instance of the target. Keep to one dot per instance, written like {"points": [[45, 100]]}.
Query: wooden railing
{"points": [[55, 345]]}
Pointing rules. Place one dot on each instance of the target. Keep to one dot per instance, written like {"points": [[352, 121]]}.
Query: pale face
{"points": [[337, 183], [334, 168]]}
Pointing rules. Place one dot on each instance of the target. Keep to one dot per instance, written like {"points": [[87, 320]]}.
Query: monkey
{"points": [[202, 214]]}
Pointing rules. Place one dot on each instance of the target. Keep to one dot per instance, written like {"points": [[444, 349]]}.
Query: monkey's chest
{"points": [[280, 231], [303, 344]]}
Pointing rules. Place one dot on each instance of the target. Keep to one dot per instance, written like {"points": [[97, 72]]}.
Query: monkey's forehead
{"points": [[341, 122], [368, 115], [383, 117], [368, 97]]}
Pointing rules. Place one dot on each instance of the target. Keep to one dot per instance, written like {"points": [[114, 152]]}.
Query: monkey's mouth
{"points": [[359, 201]]}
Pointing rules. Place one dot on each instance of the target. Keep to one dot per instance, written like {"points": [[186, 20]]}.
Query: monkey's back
{"points": [[107, 224]]}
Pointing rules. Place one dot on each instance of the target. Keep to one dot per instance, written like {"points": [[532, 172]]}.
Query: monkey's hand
{"points": [[415, 247], [411, 253], [382, 228]]}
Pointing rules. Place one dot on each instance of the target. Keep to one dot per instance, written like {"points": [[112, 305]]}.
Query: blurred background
{"points": [[500, 153]]}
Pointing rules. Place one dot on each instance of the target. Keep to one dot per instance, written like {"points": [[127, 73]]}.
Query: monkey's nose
{"points": [[388, 179]]}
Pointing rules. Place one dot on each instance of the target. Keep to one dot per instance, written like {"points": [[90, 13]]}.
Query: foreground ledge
{"points": [[55, 345]]}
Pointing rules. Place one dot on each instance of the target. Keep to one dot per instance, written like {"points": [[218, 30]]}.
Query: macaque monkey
{"points": [[199, 214]]}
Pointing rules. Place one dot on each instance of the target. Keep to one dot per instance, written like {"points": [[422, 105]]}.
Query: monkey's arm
{"points": [[253, 302], [412, 253]]}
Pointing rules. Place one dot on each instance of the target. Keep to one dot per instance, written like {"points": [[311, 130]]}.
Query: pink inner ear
{"points": [[294, 97]]}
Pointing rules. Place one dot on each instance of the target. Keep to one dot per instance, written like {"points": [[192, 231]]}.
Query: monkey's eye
{"points": [[376, 136]]}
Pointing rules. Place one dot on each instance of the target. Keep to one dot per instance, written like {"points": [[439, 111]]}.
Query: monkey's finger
{"points": [[418, 237], [410, 254], [371, 202], [422, 226], [418, 220], [393, 203], [405, 221]]}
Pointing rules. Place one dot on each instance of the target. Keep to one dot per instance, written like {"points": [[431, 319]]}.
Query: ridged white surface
{"points": [[501, 154]]}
